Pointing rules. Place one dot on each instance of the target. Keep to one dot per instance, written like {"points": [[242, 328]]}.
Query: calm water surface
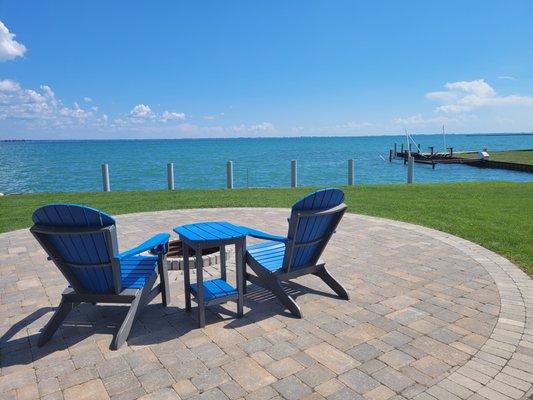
{"points": [[52, 166]]}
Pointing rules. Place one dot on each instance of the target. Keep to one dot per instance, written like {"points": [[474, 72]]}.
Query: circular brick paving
{"points": [[431, 316]]}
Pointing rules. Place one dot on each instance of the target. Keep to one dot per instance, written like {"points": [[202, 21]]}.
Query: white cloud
{"points": [[465, 96], [143, 114], [507, 78], [38, 108], [263, 127], [155, 128], [420, 120], [40, 113], [87, 99], [172, 115], [255, 128], [349, 128], [9, 47], [352, 125], [141, 111], [7, 85]]}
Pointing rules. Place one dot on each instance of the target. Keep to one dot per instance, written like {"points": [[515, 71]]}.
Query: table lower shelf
{"points": [[216, 291]]}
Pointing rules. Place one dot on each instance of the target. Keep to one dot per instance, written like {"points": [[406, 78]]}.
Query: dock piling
{"points": [[294, 173], [351, 172], [105, 178], [229, 174], [170, 176], [410, 169]]}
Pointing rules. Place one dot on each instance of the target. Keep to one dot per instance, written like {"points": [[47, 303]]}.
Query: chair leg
{"points": [[124, 330], [141, 299], [270, 282], [276, 288], [324, 274], [163, 277], [244, 275], [61, 313]]}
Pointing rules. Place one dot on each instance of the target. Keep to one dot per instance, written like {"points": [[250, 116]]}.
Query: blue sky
{"points": [[171, 69]]}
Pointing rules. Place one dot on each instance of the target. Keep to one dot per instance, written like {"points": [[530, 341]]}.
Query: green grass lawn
{"points": [[519, 156], [498, 216]]}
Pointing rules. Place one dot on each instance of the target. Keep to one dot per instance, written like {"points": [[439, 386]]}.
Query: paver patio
{"points": [[431, 316]]}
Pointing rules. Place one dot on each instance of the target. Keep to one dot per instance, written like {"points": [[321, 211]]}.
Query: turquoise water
{"points": [[51, 166]]}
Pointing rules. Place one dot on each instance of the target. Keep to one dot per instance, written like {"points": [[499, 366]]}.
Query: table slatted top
{"points": [[203, 232]]}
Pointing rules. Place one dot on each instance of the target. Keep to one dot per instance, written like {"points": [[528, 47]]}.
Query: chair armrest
{"points": [[262, 235], [157, 244]]}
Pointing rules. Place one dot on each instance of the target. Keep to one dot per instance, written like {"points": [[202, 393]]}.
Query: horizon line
{"points": [[272, 137]]}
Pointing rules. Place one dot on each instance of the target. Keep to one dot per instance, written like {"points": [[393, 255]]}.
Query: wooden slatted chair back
{"points": [[82, 242], [312, 222]]}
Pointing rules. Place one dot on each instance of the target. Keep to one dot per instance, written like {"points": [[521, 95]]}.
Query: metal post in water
{"points": [[410, 169], [229, 174], [351, 172], [170, 176], [294, 173], [105, 178], [390, 155]]}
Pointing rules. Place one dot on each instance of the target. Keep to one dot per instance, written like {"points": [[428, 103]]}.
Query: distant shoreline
{"points": [[262, 137]]}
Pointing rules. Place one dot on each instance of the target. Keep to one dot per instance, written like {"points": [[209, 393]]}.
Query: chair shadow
{"points": [[154, 325], [151, 327], [264, 304]]}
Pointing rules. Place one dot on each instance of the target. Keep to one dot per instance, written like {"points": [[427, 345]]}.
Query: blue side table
{"points": [[206, 235]]}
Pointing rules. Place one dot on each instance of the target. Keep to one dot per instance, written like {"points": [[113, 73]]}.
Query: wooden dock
{"points": [[434, 158]]}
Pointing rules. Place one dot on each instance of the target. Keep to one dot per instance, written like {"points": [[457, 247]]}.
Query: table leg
{"points": [[239, 258], [223, 262], [244, 265], [200, 288], [187, 277]]}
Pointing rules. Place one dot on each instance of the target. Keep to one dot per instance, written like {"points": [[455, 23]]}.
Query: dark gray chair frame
{"points": [[272, 280], [76, 294]]}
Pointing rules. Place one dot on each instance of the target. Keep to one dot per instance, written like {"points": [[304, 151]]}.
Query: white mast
{"points": [[407, 142], [444, 138]]}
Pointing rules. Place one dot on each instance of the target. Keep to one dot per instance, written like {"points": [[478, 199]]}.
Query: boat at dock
{"points": [[433, 158]]}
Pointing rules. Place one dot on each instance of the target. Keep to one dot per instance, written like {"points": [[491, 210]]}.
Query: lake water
{"points": [[52, 166]]}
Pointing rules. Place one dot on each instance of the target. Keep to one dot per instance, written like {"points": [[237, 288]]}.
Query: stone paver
{"points": [[91, 390], [250, 375], [431, 316], [331, 357]]}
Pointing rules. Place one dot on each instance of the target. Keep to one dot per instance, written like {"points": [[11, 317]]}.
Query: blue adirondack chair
{"points": [[82, 242], [312, 222]]}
